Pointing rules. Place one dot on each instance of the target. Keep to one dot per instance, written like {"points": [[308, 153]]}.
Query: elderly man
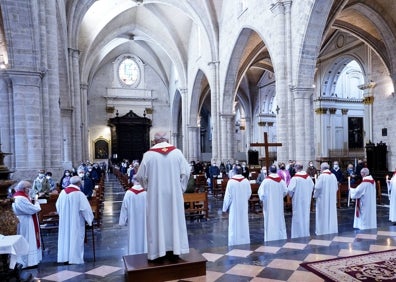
{"points": [[325, 194], [133, 214], [272, 192], [300, 190], [26, 210], [164, 173], [74, 210], [365, 207], [236, 199]]}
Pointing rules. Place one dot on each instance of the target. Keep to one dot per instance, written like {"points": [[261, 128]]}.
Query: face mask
{"points": [[67, 174], [41, 175], [48, 177], [335, 166], [81, 174], [310, 164], [89, 169], [264, 171]]}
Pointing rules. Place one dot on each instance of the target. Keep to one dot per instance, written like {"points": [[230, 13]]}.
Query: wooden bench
{"points": [[196, 205]]}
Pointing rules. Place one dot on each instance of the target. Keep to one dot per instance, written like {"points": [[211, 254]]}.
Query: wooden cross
{"points": [[266, 145]]}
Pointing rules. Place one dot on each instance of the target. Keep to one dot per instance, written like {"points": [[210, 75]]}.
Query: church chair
{"points": [[254, 201], [379, 191]]}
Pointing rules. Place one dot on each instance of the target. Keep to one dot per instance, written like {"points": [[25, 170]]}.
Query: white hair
{"points": [[22, 185]]}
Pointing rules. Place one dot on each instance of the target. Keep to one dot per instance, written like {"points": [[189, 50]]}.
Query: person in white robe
{"points": [[133, 214], [236, 200], [26, 210], [164, 173], [366, 202], [272, 192], [325, 193], [74, 210], [300, 190], [392, 197]]}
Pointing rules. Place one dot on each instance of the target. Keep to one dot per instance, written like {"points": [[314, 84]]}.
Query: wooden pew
{"points": [[196, 205], [254, 201]]}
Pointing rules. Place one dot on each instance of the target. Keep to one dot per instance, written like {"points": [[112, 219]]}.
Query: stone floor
{"points": [[259, 261]]}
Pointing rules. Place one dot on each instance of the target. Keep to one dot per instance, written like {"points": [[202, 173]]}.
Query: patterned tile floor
{"points": [[259, 261]]}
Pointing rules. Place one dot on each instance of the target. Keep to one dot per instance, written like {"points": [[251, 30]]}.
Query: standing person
{"points": [[166, 223], [300, 190], [284, 173], [40, 186], [236, 199], [262, 175], [392, 198], [26, 210], [65, 180], [245, 170], [74, 210], [133, 214], [325, 194], [311, 170], [272, 192], [366, 206], [336, 170]]}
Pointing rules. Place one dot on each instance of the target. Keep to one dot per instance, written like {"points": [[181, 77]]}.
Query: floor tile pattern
{"points": [[258, 261]]}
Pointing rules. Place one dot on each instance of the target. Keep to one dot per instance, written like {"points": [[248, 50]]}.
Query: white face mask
{"points": [[335, 166], [41, 175], [67, 174], [81, 174], [48, 177]]}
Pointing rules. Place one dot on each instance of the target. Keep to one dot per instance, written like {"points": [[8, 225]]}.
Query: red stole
{"points": [[358, 200], [71, 189], [326, 172], [238, 179], [305, 176], [136, 191], [163, 150], [277, 179], [34, 217]]}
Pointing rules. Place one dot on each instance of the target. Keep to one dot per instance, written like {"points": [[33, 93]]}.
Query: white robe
{"points": [[24, 210], [366, 204], [392, 200], [236, 199], [300, 189], [325, 194], [73, 209], [165, 177], [272, 193], [133, 214]]}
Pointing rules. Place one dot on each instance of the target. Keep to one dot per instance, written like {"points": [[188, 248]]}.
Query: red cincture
{"points": [[305, 176], [238, 179], [70, 189], [136, 191], [164, 150], [369, 181], [277, 179]]}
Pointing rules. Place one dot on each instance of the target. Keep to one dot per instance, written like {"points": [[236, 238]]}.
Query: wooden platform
{"points": [[138, 268]]}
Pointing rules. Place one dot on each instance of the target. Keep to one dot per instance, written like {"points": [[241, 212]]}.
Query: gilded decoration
{"points": [[368, 100]]}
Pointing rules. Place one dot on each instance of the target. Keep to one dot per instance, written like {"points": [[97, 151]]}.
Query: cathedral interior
{"points": [[93, 80]]}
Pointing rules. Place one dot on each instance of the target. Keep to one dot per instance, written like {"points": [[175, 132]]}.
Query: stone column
{"points": [[214, 108], [28, 130], [368, 100], [84, 121], [76, 106], [281, 99], [185, 147], [304, 150], [194, 140], [227, 136]]}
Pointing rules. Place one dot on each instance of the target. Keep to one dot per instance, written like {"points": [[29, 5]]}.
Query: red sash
{"points": [[277, 179], [305, 176], [327, 172], [34, 217], [164, 150], [369, 181], [71, 189], [136, 191], [238, 179]]}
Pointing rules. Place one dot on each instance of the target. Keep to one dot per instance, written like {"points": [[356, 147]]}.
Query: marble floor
{"points": [[258, 261]]}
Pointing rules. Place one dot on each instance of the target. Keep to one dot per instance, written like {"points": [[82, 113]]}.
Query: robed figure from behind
{"points": [[236, 200], [366, 202], [74, 210], [164, 173], [325, 194]]}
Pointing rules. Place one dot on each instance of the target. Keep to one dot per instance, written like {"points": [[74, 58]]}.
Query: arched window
{"points": [[129, 72]]}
